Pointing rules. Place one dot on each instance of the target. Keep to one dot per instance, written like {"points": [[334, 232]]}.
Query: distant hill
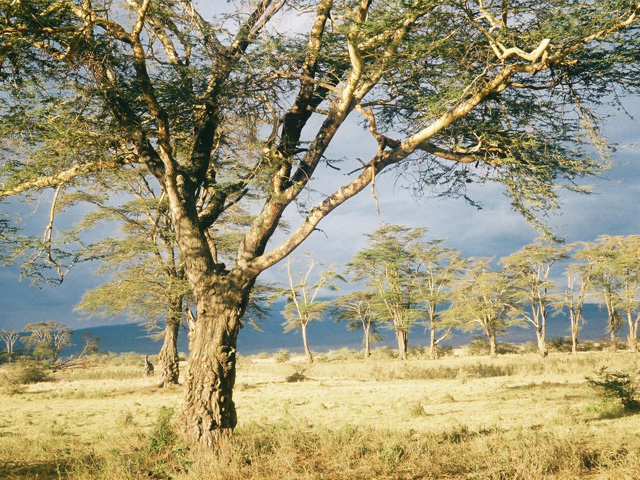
{"points": [[323, 336]]}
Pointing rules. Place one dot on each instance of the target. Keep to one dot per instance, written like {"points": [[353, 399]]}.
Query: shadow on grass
{"points": [[47, 470]]}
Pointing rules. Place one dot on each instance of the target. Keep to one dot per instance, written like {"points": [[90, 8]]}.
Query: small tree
{"points": [[391, 268], [47, 339], [578, 288], [302, 307], [625, 264], [485, 300], [440, 268], [9, 337], [356, 309], [529, 270], [599, 256]]}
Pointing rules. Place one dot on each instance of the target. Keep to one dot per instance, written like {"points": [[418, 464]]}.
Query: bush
{"points": [[282, 356], [27, 372], [384, 353], [559, 344], [21, 374], [445, 350], [622, 387], [163, 436], [298, 375], [480, 346]]}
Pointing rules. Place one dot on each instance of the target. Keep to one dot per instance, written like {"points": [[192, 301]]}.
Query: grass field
{"points": [[514, 417]]}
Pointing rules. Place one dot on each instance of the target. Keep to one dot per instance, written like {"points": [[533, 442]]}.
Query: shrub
{"points": [[618, 386], [480, 346], [298, 375], [163, 436], [282, 356], [385, 352], [27, 372], [445, 350], [559, 344]]}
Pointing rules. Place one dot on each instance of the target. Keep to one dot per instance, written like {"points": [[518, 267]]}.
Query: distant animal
{"points": [[148, 367]]}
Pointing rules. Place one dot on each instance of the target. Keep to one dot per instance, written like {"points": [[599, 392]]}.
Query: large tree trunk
{"points": [[169, 361], [403, 340], [208, 414], [307, 351]]}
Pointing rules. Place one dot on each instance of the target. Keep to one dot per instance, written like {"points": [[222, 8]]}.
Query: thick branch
{"points": [[64, 176]]}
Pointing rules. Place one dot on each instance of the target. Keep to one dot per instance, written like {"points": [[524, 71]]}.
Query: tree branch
{"points": [[64, 176]]}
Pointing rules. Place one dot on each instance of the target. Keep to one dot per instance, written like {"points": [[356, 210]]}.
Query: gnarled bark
{"points": [[208, 414]]}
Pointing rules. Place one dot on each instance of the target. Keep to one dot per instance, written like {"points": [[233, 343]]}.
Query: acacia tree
{"points": [[484, 300], [530, 269], [578, 288], [619, 277], [302, 307], [147, 280], [626, 264], [440, 269], [390, 266], [599, 257], [47, 339], [481, 91], [9, 337], [356, 309]]}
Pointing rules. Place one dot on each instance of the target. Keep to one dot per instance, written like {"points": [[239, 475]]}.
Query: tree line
{"points": [[408, 281], [45, 341]]}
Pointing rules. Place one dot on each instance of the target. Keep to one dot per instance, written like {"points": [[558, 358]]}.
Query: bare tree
{"points": [[356, 308], [302, 307]]}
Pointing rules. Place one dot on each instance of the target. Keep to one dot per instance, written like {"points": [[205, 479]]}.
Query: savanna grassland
{"points": [[514, 417]]}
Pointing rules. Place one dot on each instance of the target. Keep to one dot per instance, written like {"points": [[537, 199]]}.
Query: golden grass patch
{"points": [[463, 418]]}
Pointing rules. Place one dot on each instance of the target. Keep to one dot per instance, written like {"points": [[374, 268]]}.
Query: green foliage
{"points": [[47, 339], [622, 387], [612, 265], [233, 113], [302, 307], [484, 300], [164, 436], [22, 373], [407, 278], [146, 281]]}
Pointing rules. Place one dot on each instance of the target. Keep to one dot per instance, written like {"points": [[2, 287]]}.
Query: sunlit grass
{"points": [[465, 418]]}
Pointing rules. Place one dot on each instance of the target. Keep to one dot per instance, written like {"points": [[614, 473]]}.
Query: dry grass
{"points": [[515, 417]]}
